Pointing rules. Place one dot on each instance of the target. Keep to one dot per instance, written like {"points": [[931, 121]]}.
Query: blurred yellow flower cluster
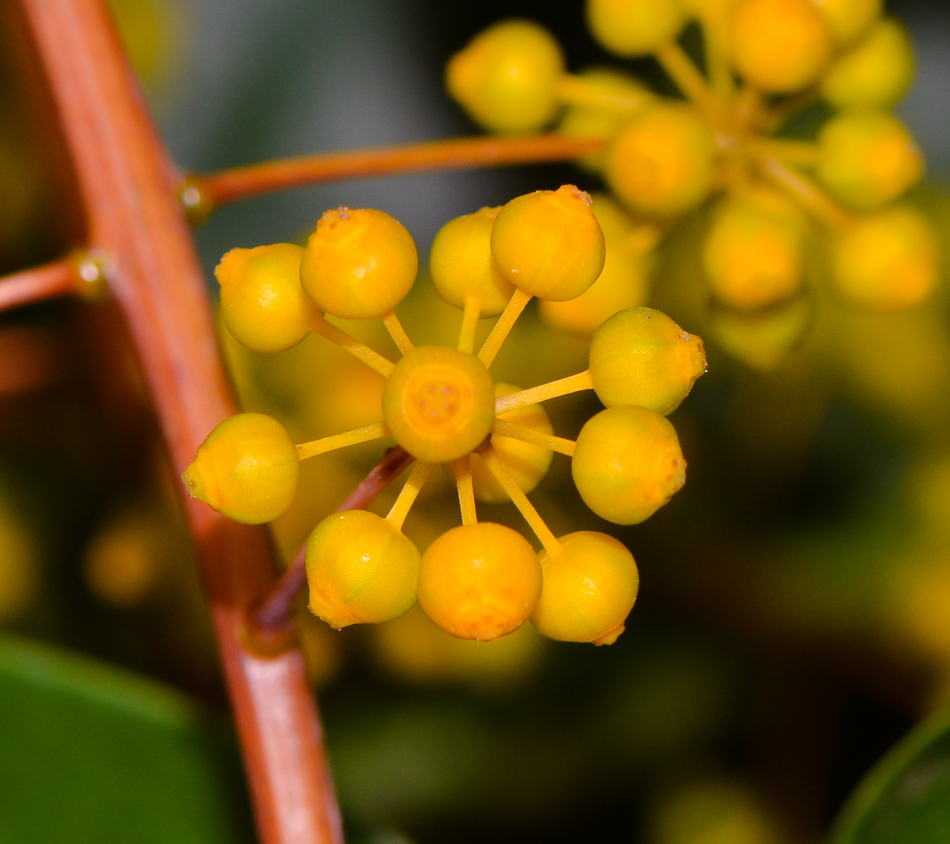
{"points": [[774, 188]]}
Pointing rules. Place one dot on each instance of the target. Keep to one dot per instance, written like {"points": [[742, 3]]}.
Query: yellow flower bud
{"points": [[462, 266], [661, 163], [360, 569], [506, 78], [867, 159], [439, 403], [887, 260], [479, 581], [549, 243], [246, 469], [780, 45], [359, 263], [754, 253], [635, 27], [590, 585], [875, 73], [627, 464], [640, 356], [262, 302], [849, 19]]}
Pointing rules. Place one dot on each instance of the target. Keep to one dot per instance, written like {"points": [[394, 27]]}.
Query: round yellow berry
{"points": [[462, 266], [479, 581], [754, 254], [875, 73], [507, 77], [867, 159], [360, 569], [549, 243], [590, 585], [526, 463], [627, 464], [661, 163], [849, 19], [359, 263], [887, 260], [246, 469], [439, 403], [635, 27], [262, 302], [640, 356], [622, 283], [780, 45]]}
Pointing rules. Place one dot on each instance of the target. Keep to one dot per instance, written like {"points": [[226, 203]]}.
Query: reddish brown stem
{"points": [[274, 617], [59, 278], [207, 192], [127, 185]]}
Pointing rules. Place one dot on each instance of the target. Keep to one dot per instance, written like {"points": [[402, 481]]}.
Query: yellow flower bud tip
{"points": [[479, 581], [462, 266], [246, 469], [780, 46], [359, 263], [361, 569], [848, 20], [506, 78], [875, 73], [262, 302], [610, 636], [229, 263], [197, 483], [662, 162], [439, 403], [867, 159], [887, 260], [635, 27], [627, 464], [590, 586], [526, 463], [549, 243], [640, 356]]}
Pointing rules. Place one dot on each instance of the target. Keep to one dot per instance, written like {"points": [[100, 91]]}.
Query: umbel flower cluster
{"points": [[733, 139], [479, 580]]}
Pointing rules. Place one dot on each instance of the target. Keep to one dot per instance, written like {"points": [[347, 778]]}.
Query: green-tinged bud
{"points": [[640, 356]]}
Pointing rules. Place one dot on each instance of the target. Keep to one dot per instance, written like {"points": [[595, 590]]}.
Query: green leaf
{"points": [[906, 797], [89, 753]]}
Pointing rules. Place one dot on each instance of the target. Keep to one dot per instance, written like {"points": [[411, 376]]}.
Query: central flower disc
{"points": [[439, 403]]}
